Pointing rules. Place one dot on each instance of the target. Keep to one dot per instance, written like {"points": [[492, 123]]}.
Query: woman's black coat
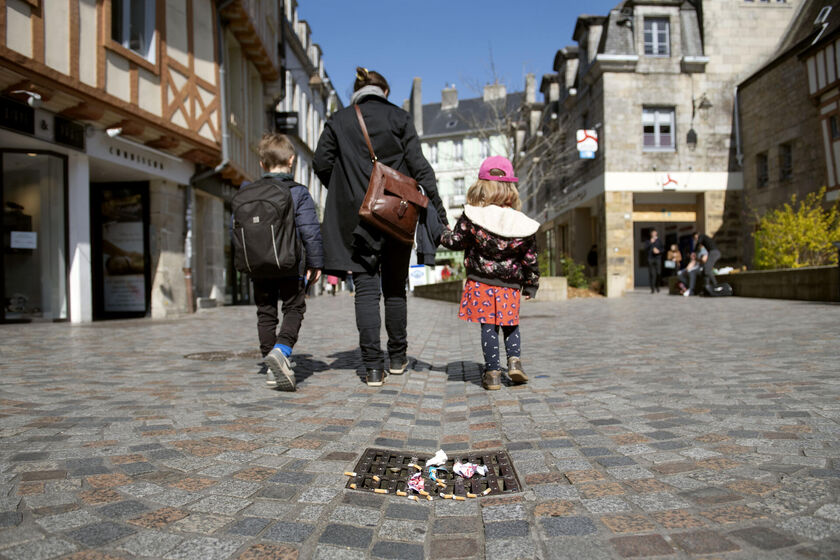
{"points": [[343, 165]]}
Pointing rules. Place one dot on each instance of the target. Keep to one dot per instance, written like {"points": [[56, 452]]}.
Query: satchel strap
{"points": [[373, 157]]}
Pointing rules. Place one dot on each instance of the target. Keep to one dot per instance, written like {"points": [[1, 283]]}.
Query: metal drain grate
{"points": [[392, 469]]}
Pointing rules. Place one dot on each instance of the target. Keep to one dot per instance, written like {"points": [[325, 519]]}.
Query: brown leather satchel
{"points": [[392, 203]]}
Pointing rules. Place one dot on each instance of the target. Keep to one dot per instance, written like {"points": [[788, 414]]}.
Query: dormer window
{"points": [[657, 37]]}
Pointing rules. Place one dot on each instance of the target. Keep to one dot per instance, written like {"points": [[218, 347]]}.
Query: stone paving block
{"points": [[222, 505], [643, 545], [346, 535], [325, 552], [49, 547], [630, 523], [506, 529], [763, 538], [126, 508], [503, 513], [150, 543], [516, 548], [318, 495], [658, 501], [567, 526], [397, 550], [404, 530], [704, 542], [98, 534], [572, 548], [203, 548], [451, 508], [64, 521], [454, 548], [202, 523], [249, 526], [364, 517], [810, 527], [407, 511], [607, 504]]}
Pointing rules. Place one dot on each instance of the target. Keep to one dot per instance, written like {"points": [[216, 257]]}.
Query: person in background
{"points": [[673, 260], [688, 275], [592, 260], [654, 249], [712, 258]]}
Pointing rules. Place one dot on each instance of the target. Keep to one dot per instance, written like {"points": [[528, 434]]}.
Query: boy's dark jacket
{"points": [[306, 220], [500, 246]]}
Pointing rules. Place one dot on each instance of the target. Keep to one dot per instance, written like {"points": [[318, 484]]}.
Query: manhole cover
{"points": [[393, 471]]}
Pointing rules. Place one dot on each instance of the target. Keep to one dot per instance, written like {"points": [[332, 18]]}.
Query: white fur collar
{"points": [[506, 222]]}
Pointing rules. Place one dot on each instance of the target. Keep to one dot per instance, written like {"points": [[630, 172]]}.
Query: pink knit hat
{"points": [[492, 166]]}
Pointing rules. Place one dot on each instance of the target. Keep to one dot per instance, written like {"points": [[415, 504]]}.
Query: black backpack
{"points": [[265, 240]]}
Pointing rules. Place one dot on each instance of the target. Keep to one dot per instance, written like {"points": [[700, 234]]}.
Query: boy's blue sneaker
{"points": [[280, 373]]}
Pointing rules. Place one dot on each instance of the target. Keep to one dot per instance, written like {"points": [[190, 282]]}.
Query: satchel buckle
{"points": [[402, 209]]}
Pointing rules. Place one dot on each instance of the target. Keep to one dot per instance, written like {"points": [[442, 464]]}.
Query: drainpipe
{"points": [[189, 210], [739, 155]]}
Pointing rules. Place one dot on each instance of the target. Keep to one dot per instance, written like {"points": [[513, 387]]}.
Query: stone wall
{"points": [[166, 240], [780, 91], [442, 291], [818, 283], [719, 216]]}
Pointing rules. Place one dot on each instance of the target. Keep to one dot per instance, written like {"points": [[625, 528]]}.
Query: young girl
{"points": [[500, 255]]}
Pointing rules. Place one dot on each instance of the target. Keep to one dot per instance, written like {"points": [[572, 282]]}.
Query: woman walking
{"points": [[379, 264]]}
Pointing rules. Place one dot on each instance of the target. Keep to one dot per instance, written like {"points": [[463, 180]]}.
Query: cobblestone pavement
{"points": [[652, 426]]}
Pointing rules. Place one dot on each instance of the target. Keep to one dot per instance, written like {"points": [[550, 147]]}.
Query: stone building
{"points": [[781, 135], [126, 127], [656, 80], [458, 134], [308, 98], [821, 57]]}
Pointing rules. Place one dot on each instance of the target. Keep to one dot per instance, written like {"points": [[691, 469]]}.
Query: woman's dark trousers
{"points": [[389, 282]]}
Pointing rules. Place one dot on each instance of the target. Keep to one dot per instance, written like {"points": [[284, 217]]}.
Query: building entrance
{"points": [[671, 233]]}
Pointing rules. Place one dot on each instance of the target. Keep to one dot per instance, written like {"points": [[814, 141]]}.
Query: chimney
{"points": [[449, 98], [530, 88], [493, 92], [416, 105]]}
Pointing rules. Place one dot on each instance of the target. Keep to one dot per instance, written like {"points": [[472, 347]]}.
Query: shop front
{"points": [[33, 195]]}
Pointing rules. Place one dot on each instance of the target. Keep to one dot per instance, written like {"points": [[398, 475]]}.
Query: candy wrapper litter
{"points": [[439, 459], [438, 474], [467, 470], [416, 482]]}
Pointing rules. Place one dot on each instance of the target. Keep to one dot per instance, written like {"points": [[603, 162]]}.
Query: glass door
{"points": [[34, 276]]}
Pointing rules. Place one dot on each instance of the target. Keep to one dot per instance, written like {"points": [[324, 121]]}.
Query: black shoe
{"points": [[398, 365], [375, 377]]}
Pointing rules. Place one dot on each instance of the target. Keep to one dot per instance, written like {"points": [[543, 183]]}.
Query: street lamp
{"points": [[691, 139]]}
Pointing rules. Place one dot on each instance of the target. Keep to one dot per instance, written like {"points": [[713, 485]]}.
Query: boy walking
{"points": [[277, 239]]}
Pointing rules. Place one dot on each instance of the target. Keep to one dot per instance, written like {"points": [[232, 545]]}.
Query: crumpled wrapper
{"points": [[468, 470]]}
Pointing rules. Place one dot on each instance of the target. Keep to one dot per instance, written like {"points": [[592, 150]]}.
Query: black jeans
{"points": [[267, 293], [708, 268], [654, 266], [389, 280]]}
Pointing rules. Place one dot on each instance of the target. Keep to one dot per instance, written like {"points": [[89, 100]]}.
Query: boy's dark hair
{"points": [[275, 150], [365, 77]]}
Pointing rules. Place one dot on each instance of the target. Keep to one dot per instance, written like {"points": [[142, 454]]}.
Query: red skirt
{"points": [[494, 305]]}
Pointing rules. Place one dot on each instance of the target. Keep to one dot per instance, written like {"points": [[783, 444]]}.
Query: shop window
{"points": [[785, 162], [658, 129], [835, 127], [657, 37], [133, 26], [761, 170]]}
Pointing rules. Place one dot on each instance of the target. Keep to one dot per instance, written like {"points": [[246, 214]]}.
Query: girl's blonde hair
{"points": [[485, 193]]}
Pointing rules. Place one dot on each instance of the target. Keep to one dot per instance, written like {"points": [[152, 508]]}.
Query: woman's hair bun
{"points": [[361, 73]]}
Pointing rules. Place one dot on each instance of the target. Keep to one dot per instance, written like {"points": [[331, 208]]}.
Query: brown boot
{"points": [[517, 376], [492, 380]]}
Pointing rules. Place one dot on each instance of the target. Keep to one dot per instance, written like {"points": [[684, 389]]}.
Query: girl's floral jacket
{"points": [[500, 246]]}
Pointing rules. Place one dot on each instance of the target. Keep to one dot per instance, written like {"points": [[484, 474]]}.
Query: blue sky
{"points": [[443, 42]]}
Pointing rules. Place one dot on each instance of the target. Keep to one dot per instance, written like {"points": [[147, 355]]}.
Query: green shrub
{"points": [[793, 236], [573, 273]]}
